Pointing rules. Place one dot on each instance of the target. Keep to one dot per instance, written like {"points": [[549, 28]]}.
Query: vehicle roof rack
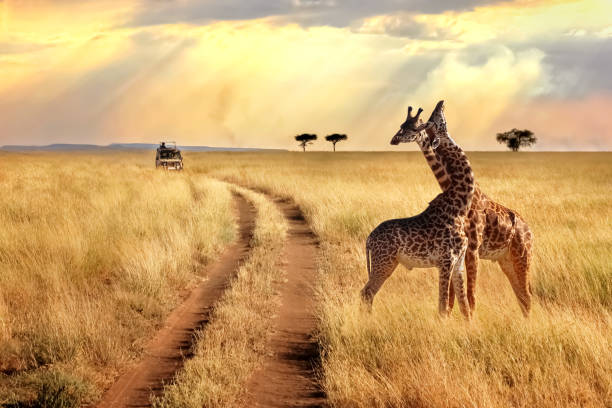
{"points": [[168, 144]]}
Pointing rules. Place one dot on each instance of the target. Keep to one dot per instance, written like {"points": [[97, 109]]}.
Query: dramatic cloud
{"points": [[579, 66], [336, 13], [478, 94], [254, 73]]}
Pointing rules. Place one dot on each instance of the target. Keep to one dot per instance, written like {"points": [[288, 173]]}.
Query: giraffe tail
{"points": [[369, 260]]}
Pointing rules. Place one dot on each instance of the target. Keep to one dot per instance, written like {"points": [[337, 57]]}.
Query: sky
{"points": [[254, 73]]}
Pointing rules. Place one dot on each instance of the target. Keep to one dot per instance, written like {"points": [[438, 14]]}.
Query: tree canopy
{"points": [[305, 139], [515, 138], [335, 138]]}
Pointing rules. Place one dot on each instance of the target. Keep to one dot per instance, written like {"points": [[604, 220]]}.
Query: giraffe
{"points": [[436, 237], [494, 232]]}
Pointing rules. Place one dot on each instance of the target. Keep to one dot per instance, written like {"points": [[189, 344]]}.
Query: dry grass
{"points": [[401, 354], [60, 259], [229, 349], [95, 251]]}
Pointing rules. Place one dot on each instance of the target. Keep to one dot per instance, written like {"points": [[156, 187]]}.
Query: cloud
{"points": [[477, 94], [578, 66], [171, 12], [401, 25], [336, 13], [491, 88], [60, 105], [257, 82]]}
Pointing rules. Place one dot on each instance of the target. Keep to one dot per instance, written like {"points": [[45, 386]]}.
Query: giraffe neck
{"points": [[457, 166], [433, 161]]}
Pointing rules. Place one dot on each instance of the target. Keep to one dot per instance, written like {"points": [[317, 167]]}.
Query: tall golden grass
{"points": [[95, 250], [87, 250], [402, 354]]}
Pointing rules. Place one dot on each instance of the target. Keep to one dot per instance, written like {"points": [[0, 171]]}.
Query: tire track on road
{"points": [[288, 378], [165, 353]]}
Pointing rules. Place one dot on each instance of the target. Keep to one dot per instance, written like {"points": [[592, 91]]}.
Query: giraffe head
{"points": [[410, 129], [437, 119], [414, 129]]}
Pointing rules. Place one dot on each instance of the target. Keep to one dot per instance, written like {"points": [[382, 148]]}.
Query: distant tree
{"points": [[305, 139], [335, 138], [515, 139]]}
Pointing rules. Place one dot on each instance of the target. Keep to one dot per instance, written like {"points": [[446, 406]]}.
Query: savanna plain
{"points": [[96, 249]]}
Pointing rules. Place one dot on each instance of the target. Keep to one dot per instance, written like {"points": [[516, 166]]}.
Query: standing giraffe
{"points": [[436, 237], [494, 232]]}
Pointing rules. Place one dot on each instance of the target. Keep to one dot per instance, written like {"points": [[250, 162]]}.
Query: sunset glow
{"points": [[254, 73]]}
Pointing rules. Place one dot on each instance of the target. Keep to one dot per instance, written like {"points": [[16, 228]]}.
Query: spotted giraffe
{"points": [[494, 232], [436, 237]]}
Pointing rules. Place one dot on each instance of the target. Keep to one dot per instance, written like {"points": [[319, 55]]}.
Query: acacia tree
{"points": [[515, 139], [305, 139], [335, 138]]}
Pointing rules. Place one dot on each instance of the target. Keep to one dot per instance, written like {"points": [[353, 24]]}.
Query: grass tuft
{"points": [[57, 389]]}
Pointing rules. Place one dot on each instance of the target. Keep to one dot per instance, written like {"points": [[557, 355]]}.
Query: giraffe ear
{"points": [[435, 143]]}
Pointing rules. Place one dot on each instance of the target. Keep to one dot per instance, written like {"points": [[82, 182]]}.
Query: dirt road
{"points": [[165, 353], [287, 378]]}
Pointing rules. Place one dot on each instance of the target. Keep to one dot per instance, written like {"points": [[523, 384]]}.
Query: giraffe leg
{"points": [[445, 271], [451, 298], [458, 273], [472, 258], [521, 269], [521, 290], [471, 265], [520, 255], [381, 267]]}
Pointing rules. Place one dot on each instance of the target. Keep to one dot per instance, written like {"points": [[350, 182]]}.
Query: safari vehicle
{"points": [[168, 156]]}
